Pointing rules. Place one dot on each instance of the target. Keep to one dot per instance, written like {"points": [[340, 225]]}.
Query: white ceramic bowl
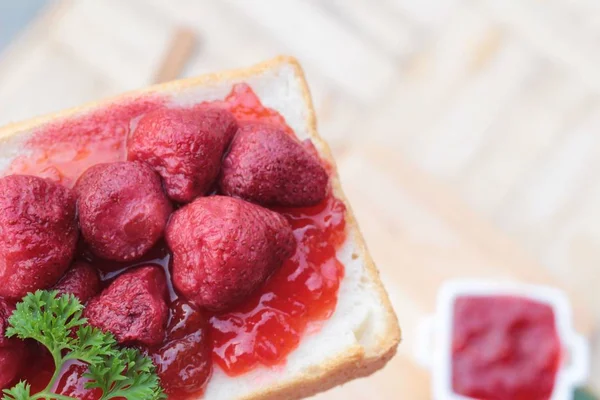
{"points": [[435, 335]]}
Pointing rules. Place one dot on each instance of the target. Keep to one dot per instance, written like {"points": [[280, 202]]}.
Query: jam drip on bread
{"points": [[245, 192]]}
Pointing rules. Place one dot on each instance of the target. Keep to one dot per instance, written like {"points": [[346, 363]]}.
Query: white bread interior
{"points": [[363, 333]]}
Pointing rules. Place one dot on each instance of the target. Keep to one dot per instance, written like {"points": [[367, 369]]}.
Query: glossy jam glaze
{"points": [[262, 331], [62, 150]]}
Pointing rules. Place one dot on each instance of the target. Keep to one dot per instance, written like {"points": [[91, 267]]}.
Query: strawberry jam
{"points": [[270, 325], [63, 150], [183, 360], [504, 348], [260, 332]]}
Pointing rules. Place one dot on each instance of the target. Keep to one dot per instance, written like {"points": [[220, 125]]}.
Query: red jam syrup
{"points": [[504, 348], [260, 332], [63, 150]]}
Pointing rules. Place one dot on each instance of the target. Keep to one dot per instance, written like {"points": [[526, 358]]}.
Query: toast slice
{"points": [[363, 333]]}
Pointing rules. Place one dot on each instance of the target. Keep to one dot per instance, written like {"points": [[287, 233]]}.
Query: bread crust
{"points": [[357, 361]]}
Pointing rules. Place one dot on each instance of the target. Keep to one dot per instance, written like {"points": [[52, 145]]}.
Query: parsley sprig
{"points": [[51, 320]]}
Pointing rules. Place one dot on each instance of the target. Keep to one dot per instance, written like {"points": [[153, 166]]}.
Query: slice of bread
{"points": [[363, 333]]}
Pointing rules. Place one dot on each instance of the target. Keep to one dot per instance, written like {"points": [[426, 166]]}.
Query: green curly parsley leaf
{"points": [[93, 345], [127, 373], [44, 317], [51, 320], [21, 391]]}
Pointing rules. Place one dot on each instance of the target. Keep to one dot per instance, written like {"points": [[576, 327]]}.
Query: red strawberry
{"points": [[122, 209], [265, 165], [81, 280], [224, 248], [184, 146], [133, 307], [187, 348], [12, 351], [38, 234]]}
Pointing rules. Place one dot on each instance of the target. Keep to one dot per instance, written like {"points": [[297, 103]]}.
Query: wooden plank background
{"points": [[496, 99]]}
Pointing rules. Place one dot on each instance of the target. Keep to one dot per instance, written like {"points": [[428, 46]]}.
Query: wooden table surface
{"points": [[422, 235], [497, 101]]}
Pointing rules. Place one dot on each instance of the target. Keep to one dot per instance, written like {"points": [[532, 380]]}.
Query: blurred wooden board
{"points": [[421, 234]]}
